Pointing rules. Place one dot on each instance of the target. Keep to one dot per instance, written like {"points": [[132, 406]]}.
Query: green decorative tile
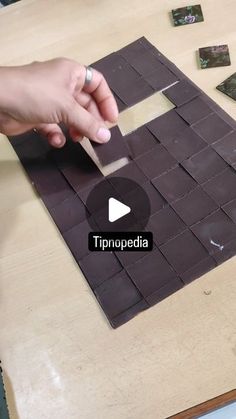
{"points": [[216, 56], [187, 15], [228, 86]]}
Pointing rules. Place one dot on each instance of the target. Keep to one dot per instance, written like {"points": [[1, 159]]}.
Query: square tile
{"points": [[135, 201], [215, 56], [129, 258], [128, 314], [226, 147], [114, 150], [184, 252], [230, 210], [228, 86], [140, 141], [155, 162], [168, 289], [194, 206], [198, 270], [129, 171], [187, 15], [212, 128], [222, 188], [215, 231], [117, 294], [69, 213], [181, 92], [164, 225], [161, 78], [151, 273], [184, 145], [174, 184], [99, 266], [145, 63], [204, 165], [194, 111], [77, 239], [132, 93], [167, 126]]}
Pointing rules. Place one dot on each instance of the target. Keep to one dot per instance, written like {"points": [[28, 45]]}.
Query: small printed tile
{"points": [[215, 231], [117, 294], [194, 206], [216, 56], [155, 162], [187, 15], [174, 184], [194, 111], [181, 93], [69, 213], [151, 273], [184, 251], [99, 266], [212, 128], [228, 86], [226, 147], [198, 270], [167, 126], [184, 145], [164, 225], [204, 165], [230, 210], [222, 188], [114, 150], [77, 239], [168, 289], [140, 141]]}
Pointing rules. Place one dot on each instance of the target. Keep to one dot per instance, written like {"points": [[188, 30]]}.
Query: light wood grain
{"points": [[61, 358]]}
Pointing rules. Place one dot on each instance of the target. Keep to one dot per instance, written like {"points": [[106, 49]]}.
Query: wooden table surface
{"points": [[60, 357]]}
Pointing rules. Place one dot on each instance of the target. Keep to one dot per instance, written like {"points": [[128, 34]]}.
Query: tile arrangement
{"points": [[185, 160]]}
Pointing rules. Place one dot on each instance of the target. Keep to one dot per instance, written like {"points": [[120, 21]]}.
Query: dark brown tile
{"points": [[222, 188], [184, 251], [114, 150], [198, 270], [155, 161], [194, 206], [168, 289], [117, 294], [184, 145], [161, 79], [130, 171], [212, 128], [140, 141], [181, 92], [194, 111], [230, 210], [215, 231], [129, 314], [174, 184], [69, 213], [156, 201], [226, 148], [99, 266], [129, 258], [204, 165], [167, 126], [164, 225], [151, 273], [77, 239]]}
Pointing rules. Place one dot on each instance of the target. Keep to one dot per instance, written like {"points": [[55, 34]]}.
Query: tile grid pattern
{"points": [[185, 160]]}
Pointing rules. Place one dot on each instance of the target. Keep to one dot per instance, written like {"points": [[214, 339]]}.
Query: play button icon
{"points": [[116, 210], [118, 204]]}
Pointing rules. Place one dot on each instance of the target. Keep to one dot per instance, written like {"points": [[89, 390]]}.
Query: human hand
{"points": [[43, 94]]}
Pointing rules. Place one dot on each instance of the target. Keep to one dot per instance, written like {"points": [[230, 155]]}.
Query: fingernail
{"points": [[103, 135], [58, 141]]}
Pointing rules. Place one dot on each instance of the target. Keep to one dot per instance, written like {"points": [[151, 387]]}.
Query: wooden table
{"points": [[60, 356]]}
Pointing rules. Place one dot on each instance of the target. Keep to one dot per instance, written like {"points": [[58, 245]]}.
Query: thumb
{"points": [[84, 122]]}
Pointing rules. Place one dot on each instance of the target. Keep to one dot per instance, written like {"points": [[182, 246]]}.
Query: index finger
{"points": [[100, 91]]}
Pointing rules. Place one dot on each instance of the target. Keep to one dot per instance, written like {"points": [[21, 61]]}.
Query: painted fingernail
{"points": [[103, 135]]}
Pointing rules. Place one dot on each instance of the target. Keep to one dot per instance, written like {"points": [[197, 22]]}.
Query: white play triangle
{"points": [[116, 210]]}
